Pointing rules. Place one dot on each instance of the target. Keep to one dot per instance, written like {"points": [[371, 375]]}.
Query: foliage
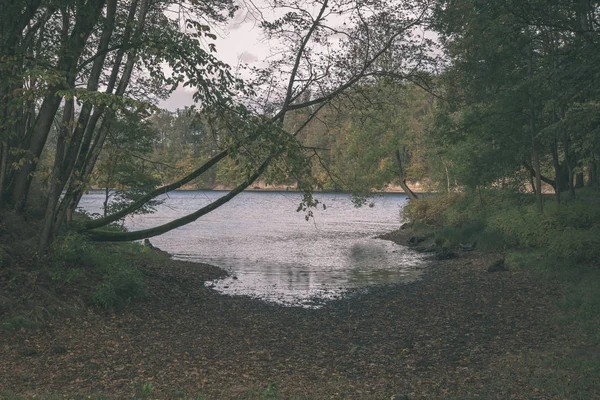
{"points": [[498, 218], [429, 210], [75, 262], [513, 87]]}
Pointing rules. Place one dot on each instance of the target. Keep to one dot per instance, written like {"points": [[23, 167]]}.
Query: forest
{"points": [[485, 114]]}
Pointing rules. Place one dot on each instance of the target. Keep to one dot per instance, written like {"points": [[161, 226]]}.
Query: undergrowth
{"points": [[73, 274], [116, 281], [499, 219]]}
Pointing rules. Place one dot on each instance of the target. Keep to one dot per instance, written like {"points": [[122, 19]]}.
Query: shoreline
{"points": [[269, 190], [424, 339]]}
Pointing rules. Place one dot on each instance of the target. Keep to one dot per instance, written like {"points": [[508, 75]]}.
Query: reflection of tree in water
{"points": [[360, 253], [374, 264], [298, 278]]}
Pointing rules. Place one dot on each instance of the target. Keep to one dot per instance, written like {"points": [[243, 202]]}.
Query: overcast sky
{"points": [[238, 42]]}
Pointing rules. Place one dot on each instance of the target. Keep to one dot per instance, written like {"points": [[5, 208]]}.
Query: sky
{"points": [[239, 42]]}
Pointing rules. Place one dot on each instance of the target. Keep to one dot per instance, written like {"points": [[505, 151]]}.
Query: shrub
{"points": [[499, 218], [490, 240], [116, 282], [429, 210], [120, 284], [69, 250]]}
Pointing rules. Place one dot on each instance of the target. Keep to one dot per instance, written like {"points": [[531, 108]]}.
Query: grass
{"points": [[562, 244]]}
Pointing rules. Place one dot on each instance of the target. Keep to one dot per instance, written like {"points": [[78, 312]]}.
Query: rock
{"points": [[467, 246], [445, 254], [405, 225], [399, 396], [426, 249], [30, 353], [498, 266], [414, 240], [155, 249]]}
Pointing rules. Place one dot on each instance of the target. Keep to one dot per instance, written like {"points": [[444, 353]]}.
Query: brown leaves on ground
{"points": [[440, 337]]}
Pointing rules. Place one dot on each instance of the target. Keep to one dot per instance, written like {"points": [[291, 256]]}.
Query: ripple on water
{"points": [[273, 254]]}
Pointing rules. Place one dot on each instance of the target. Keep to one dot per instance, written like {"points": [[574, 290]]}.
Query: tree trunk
{"points": [[85, 21], [571, 173], [86, 153], [96, 223], [447, 177], [578, 180], [557, 170], [112, 236], [411, 195], [535, 158], [59, 175], [40, 131], [3, 169], [538, 179]]}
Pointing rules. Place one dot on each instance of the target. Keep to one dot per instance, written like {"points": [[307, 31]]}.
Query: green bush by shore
{"points": [[75, 273]]}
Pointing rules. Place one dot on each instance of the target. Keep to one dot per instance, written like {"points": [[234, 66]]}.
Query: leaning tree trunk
{"points": [[115, 236], [411, 195]]}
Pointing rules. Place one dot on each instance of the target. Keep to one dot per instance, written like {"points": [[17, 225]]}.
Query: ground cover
{"points": [[528, 330], [460, 332]]}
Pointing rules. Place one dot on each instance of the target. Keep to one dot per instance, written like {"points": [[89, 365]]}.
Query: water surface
{"points": [[273, 253]]}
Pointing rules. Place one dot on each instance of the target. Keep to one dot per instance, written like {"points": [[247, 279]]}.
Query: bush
{"points": [[115, 281], [499, 218], [490, 240], [430, 210], [120, 284], [450, 236], [69, 250]]}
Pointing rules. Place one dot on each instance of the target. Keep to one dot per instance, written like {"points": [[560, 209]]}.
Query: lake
{"points": [[273, 253]]}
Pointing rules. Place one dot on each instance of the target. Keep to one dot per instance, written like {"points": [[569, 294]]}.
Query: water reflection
{"points": [[274, 254]]}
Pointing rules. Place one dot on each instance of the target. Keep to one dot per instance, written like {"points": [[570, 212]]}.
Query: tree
{"points": [[50, 48], [376, 136], [306, 64], [511, 82], [95, 62]]}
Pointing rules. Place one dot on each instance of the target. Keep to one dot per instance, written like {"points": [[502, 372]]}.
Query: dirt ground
{"points": [[444, 336]]}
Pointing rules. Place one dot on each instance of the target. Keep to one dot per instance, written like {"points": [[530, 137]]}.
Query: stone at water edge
{"points": [[467, 246], [416, 240], [445, 254]]}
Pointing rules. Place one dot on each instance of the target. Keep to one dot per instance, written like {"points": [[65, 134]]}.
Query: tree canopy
{"points": [[356, 96]]}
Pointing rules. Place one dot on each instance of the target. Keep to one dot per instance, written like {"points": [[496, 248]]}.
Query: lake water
{"points": [[274, 254]]}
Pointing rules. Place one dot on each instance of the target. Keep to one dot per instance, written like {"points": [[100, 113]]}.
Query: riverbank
{"points": [[460, 332]]}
